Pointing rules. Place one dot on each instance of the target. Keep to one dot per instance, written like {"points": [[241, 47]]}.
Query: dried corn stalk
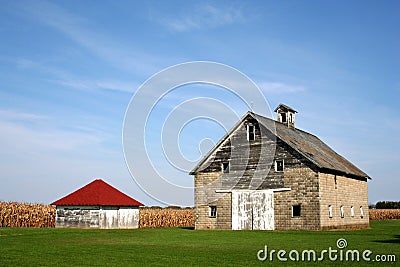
{"points": [[384, 214], [155, 218], [13, 214]]}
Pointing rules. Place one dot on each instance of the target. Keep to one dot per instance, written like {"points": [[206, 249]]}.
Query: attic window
{"points": [[296, 210], [250, 133], [225, 167], [279, 165]]}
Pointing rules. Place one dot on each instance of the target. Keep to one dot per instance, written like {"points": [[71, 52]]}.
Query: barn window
{"points": [[225, 167], [361, 212], [341, 211], [279, 165], [250, 133], [213, 211], [352, 211], [296, 210], [330, 211]]}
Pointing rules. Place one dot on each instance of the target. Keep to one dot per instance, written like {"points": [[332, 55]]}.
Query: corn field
{"points": [[384, 214], [13, 214], [155, 218]]}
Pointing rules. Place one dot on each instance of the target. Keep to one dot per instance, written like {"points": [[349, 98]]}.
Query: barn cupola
{"points": [[286, 115]]}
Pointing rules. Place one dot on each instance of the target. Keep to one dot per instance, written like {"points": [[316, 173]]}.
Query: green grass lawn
{"points": [[185, 247]]}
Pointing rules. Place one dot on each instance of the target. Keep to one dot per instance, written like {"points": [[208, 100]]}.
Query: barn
{"points": [[267, 174], [97, 205]]}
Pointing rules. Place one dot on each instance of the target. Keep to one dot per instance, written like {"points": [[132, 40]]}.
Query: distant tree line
{"points": [[385, 205]]}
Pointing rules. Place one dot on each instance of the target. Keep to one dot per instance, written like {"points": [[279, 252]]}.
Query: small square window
{"points": [[225, 167], [213, 211], [296, 210], [330, 211], [341, 211], [279, 165], [250, 133]]}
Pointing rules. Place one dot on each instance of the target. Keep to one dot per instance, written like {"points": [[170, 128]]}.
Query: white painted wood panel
{"points": [[253, 210]]}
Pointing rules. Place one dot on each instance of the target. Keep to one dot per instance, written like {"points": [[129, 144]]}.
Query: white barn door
{"points": [[253, 210]]}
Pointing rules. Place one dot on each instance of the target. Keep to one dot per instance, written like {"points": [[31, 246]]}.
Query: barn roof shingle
{"points": [[97, 193]]}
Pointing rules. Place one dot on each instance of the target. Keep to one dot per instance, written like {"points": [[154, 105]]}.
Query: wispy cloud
{"points": [[78, 30], [67, 79], [280, 87], [22, 133], [12, 115], [101, 84], [206, 16]]}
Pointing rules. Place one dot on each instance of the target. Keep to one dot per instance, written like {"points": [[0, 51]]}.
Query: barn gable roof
{"points": [[97, 193], [306, 144]]}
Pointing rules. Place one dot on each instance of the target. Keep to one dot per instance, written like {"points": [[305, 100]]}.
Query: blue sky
{"points": [[68, 70]]}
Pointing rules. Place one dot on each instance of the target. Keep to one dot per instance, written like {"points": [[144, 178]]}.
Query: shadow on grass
{"points": [[396, 240], [187, 227]]}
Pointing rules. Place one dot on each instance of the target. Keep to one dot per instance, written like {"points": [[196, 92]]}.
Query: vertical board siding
{"points": [[253, 210], [128, 218], [97, 217]]}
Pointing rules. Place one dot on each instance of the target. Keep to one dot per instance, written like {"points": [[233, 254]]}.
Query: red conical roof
{"points": [[97, 193]]}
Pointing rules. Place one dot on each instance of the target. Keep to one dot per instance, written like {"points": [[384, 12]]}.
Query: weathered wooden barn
{"points": [[266, 174], [97, 205]]}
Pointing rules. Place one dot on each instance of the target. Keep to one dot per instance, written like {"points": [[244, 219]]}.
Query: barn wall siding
{"points": [[245, 157], [97, 217], [206, 196], [223, 220], [77, 217], [340, 191], [128, 218], [304, 192]]}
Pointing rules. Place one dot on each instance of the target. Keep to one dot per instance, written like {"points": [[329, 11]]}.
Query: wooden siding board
{"points": [[97, 217]]}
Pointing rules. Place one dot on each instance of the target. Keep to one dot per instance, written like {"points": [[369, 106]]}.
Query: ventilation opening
{"points": [[225, 167], [296, 210], [213, 211], [250, 133]]}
